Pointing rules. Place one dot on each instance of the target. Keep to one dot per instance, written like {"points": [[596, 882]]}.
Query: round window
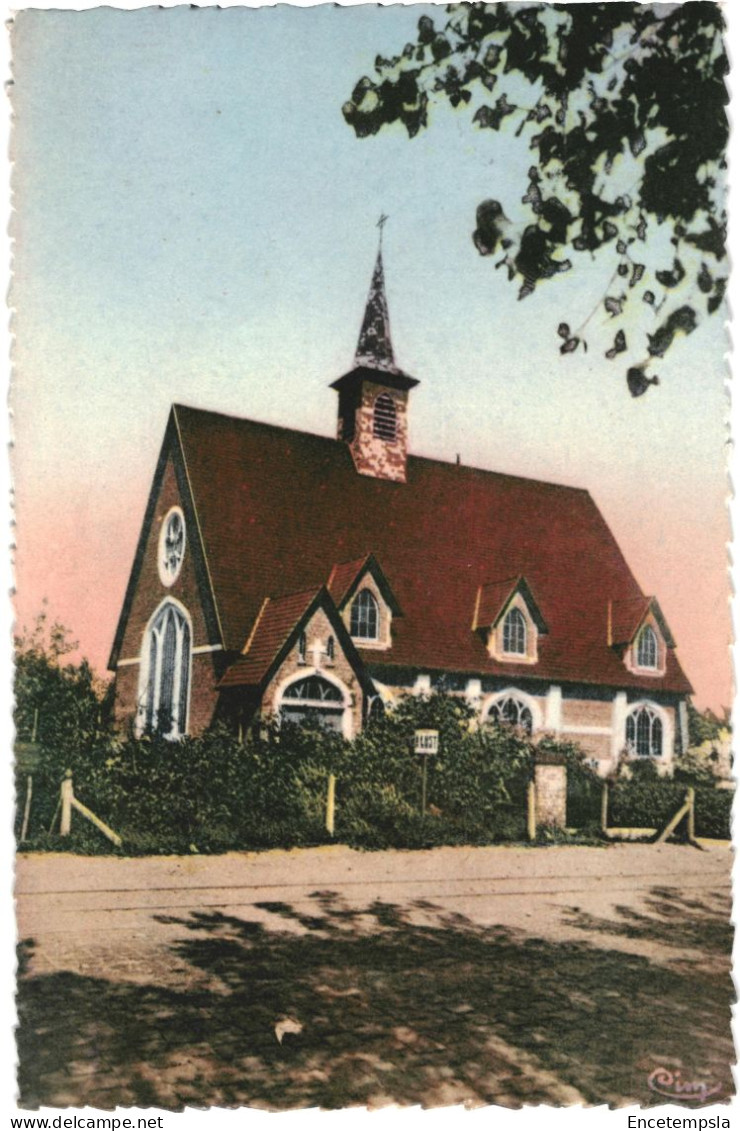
{"points": [[171, 546]]}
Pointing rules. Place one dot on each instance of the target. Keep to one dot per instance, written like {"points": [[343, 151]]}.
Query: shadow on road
{"points": [[391, 1012]]}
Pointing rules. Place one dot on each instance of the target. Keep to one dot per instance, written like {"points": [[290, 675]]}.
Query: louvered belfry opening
{"points": [[384, 418]]}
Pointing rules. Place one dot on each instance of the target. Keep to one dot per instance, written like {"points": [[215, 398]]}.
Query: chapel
{"points": [[319, 579]]}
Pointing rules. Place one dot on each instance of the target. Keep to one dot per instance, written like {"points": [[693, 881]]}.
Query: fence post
{"points": [[27, 808], [604, 806], [67, 793], [531, 822], [690, 816], [330, 804]]}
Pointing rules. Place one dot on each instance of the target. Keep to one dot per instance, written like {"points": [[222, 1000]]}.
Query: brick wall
{"points": [[383, 459], [149, 595], [317, 630]]}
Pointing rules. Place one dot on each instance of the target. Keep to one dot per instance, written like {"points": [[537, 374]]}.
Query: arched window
{"points": [[363, 624], [314, 702], [166, 690], [647, 648], [384, 418], [512, 712], [515, 633], [644, 732]]}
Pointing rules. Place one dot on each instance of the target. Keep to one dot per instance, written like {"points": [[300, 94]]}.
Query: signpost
{"points": [[426, 742]]}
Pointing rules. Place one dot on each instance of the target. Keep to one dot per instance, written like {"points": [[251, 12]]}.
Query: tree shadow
{"points": [[389, 1011], [675, 920]]}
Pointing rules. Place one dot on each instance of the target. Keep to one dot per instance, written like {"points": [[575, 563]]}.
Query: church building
{"points": [[284, 573]]}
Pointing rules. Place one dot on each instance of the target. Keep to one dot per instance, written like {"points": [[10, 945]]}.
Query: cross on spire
{"points": [[374, 347]]}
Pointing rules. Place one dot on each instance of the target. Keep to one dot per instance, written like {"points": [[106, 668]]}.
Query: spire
{"points": [[374, 348]]}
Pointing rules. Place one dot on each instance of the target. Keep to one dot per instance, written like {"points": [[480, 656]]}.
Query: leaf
{"points": [[491, 117], [682, 321], [621, 247], [705, 280], [564, 330], [614, 306], [623, 269], [570, 345], [641, 229], [637, 382], [649, 298], [638, 270], [637, 143], [620, 345], [671, 278]]}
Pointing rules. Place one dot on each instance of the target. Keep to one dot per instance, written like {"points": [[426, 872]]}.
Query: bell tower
{"points": [[373, 396]]}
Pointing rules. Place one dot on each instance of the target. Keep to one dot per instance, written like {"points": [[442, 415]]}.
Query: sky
{"points": [[195, 222]]}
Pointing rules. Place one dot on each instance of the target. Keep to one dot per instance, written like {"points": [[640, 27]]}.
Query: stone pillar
{"points": [[619, 719], [553, 709], [550, 784]]}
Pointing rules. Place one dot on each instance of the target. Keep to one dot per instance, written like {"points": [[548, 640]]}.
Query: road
{"points": [[456, 975]]}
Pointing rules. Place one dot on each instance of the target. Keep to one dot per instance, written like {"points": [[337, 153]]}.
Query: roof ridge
{"points": [[334, 442]]}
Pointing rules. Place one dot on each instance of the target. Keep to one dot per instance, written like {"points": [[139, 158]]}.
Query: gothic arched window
{"points": [[364, 617], [512, 712], [644, 732], [515, 633], [647, 648], [166, 690], [313, 701], [384, 418]]}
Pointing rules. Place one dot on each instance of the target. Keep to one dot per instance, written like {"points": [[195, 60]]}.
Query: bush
{"points": [[651, 804]]}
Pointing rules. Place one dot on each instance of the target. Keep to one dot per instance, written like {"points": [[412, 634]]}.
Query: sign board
{"points": [[426, 741]]}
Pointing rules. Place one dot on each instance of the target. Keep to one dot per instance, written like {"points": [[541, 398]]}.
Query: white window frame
{"points": [[491, 701], [666, 739], [169, 576], [183, 665]]}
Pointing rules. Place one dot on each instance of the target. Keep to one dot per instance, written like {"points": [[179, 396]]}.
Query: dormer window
{"points": [[384, 418], [647, 649], [364, 616], [515, 633]]}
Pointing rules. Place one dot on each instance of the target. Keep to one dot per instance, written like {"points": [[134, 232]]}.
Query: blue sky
{"points": [[195, 222]]}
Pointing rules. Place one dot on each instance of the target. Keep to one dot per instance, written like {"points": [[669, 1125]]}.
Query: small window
{"points": [[302, 648], [364, 616], [515, 633], [647, 648], [644, 733], [384, 418], [330, 648]]}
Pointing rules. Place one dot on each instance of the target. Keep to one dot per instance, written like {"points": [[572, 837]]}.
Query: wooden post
{"points": [[67, 793], [690, 818], [330, 804], [105, 829], [531, 821], [27, 808], [604, 806]]}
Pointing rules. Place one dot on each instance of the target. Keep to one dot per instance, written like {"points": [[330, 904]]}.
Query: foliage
{"points": [[623, 106], [58, 704], [650, 802], [705, 726]]}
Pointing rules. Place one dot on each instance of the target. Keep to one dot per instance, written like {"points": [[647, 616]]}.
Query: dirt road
{"points": [[488, 975]]}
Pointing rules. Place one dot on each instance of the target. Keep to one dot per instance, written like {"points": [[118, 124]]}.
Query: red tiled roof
{"points": [[626, 618], [275, 621], [276, 508], [342, 576]]}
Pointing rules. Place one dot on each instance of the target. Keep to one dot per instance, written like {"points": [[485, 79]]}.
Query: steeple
{"points": [[374, 348], [373, 396]]}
